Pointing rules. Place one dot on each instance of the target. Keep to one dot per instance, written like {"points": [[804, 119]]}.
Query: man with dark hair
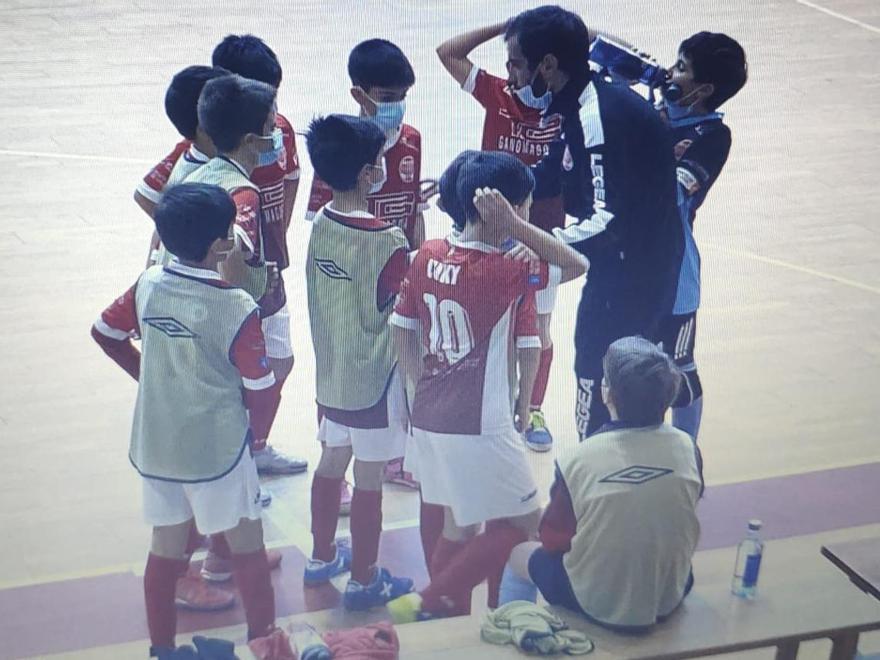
{"points": [[710, 69], [354, 267], [621, 528], [381, 76], [615, 169], [204, 400], [474, 311], [514, 125]]}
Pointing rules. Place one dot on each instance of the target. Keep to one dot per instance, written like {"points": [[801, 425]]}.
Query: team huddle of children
{"points": [[432, 350]]}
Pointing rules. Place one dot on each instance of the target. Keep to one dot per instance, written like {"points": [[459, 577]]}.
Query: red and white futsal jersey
{"points": [[471, 303], [399, 201], [511, 126], [270, 180], [515, 128]]}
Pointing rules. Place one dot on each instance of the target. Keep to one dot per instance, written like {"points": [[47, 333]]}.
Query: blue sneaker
{"points": [[538, 437], [383, 588], [319, 572]]}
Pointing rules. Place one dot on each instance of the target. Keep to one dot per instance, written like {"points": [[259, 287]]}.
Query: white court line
{"points": [[49, 154], [843, 17], [801, 269]]}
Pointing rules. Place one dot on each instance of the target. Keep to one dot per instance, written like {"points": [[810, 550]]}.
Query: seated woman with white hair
{"points": [[621, 528]]}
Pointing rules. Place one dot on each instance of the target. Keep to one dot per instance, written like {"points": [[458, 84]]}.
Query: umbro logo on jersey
{"points": [[331, 270], [170, 326], [635, 475]]}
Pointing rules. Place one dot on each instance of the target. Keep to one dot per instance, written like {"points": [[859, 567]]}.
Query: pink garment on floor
{"points": [[374, 642], [275, 646]]}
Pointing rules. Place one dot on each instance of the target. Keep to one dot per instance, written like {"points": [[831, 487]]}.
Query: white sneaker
{"points": [[272, 461]]}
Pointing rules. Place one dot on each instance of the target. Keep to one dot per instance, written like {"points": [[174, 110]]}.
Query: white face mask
{"points": [[527, 95], [376, 186]]}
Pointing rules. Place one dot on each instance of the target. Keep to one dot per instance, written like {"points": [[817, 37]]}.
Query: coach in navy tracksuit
{"points": [[615, 169]]}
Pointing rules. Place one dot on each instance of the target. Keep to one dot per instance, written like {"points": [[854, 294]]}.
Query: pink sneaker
{"points": [[345, 499], [395, 474], [193, 593], [215, 569]]}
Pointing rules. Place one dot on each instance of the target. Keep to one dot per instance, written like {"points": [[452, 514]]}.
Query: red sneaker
{"points": [[215, 569], [193, 593]]}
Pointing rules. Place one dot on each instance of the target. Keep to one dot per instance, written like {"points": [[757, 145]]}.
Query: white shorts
{"points": [[373, 445], [216, 505], [545, 299], [276, 330], [479, 477]]}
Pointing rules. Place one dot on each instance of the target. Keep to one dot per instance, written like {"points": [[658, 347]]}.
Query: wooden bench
{"points": [[801, 597]]}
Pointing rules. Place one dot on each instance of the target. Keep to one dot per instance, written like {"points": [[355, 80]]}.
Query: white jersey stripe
{"points": [[113, 333], [263, 383]]}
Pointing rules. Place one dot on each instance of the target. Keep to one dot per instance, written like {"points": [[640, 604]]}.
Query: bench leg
{"points": [[787, 651], [844, 647]]}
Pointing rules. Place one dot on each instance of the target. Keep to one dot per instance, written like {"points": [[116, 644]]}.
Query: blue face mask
{"points": [[389, 115], [265, 158], [679, 109], [527, 95]]}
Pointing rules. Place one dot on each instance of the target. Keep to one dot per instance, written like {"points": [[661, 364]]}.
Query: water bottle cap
{"points": [[755, 525]]}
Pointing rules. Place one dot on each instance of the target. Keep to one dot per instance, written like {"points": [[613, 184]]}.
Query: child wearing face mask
{"points": [[354, 267], [710, 69], [381, 76]]}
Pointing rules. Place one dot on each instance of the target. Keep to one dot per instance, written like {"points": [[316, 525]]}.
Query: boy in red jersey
{"points": [[465, 448], [514, 124]]}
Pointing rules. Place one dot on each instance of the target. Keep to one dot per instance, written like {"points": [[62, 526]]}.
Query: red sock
{"points": [[480, 558], [445, 551], [251, 572], [160, 578], [430, 529], [366, 527], [542, 378], [194, 542], [219, 546], [325, 515], [493, 582]]}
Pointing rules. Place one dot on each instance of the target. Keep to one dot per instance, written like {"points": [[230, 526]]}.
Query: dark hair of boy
{"points": [[642, 380], [191, 216], [718, 60], [248, 56], [472, 170], [379, 63], [340, 146], [550, 29], [232, 107], [182, 97]]}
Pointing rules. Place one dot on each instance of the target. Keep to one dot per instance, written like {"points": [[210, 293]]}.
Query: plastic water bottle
{"points": [[748, 562], [308, 643]]}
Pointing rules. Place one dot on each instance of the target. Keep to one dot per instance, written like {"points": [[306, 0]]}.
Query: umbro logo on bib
{"points": [[330, 269], [635, 475], [170, 326]]}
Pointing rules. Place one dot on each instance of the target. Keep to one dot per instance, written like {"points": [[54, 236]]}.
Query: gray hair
{"points": [[643, 380]]}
